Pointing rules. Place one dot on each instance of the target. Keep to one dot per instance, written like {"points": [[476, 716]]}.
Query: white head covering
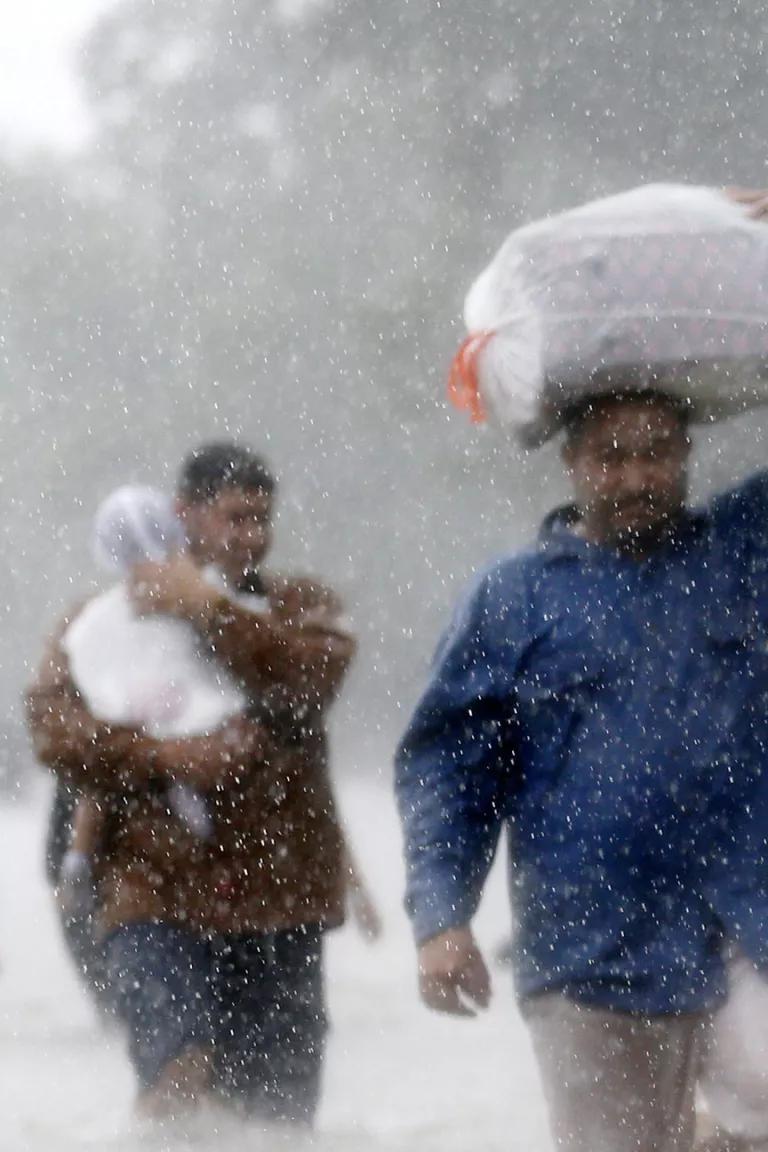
{"points": [[133, 524]]}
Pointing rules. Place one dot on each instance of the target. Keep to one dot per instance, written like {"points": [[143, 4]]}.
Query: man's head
{"points": [[225, 499], [627, 456]]}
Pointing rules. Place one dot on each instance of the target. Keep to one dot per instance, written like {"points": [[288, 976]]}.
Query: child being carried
{"points": [[149, 673]]}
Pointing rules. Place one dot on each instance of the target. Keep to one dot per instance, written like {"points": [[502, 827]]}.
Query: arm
{"points": [[361, 903], [754, 200], [453, 773], [90, 753], [310, 661], [84, 751], [307, 657], [217, 759], [737, 884]]}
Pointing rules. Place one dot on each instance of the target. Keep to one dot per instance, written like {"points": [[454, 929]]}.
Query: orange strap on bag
{"points": [[463, 381]]}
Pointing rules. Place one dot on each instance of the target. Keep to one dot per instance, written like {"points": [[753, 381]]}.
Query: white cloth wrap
{"points": [[147, 672], [735, 1079]]}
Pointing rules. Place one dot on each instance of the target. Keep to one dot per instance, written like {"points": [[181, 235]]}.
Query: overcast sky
{"points": [[40, 99]]}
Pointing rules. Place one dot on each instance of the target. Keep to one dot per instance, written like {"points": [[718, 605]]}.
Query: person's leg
{"points": [[59, 830], [77, 924], [87, 954], [297, 1026], [159, 978], [613, 1081], [273, 1023]]}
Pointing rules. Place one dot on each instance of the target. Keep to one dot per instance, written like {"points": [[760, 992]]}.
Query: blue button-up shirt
{"points": [[614, 713]]}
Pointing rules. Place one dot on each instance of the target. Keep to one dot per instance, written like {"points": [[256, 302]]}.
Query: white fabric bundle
{"points": [[147, 672], [665, 286], [735, 1079], [144, 672]]}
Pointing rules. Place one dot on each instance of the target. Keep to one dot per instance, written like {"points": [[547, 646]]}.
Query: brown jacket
{"points": [[275, 860]]}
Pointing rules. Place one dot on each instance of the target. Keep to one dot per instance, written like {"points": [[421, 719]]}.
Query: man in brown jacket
{"points": [[214, 946]]}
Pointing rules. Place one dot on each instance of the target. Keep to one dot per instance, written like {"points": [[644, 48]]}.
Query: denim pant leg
{"points": [[159, 977], [272, 1022]]}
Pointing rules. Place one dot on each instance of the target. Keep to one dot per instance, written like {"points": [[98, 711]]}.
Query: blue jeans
{"points": [[256, 1002]]}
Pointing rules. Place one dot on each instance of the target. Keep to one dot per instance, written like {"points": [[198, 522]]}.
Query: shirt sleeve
{"points": [[738, 887], [310, 663], [455, 767], [84, 751], [738, 881]]}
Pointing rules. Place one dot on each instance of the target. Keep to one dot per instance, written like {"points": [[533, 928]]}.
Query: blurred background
{"points": [[222, 218]]}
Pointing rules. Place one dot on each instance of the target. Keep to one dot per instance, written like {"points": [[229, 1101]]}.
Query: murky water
{"points": [[398, 1078]]}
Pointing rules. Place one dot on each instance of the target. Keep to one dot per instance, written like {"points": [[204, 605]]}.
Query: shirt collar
{"points": [[559, 539]]}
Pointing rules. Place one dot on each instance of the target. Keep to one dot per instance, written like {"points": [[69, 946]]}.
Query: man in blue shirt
{"points": [[604, 695]]}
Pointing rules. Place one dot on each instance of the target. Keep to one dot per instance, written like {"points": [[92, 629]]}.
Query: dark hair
{"points": [[576, 415], [212, 467]]}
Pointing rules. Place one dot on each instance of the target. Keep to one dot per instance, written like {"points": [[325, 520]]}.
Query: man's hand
{"points": [[755, 200], [451, 971], [175, 588]]}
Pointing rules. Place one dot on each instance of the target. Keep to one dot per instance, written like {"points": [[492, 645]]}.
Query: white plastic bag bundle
{"points": [[663, 287], [735, 1077]]}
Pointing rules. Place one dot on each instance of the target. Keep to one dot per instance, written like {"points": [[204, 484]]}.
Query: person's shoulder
{"points": [[555, 540], [53, 667], [512, 572], [743, 508], [500, 593]]}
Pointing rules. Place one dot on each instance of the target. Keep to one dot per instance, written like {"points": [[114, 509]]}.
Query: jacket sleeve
{"points": [[308, 662], [737, 884], [455, 770], [82, 750]]}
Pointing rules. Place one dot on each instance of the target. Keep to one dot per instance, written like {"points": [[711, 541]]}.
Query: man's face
{"points": [[233, 530], [629, 465]]}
